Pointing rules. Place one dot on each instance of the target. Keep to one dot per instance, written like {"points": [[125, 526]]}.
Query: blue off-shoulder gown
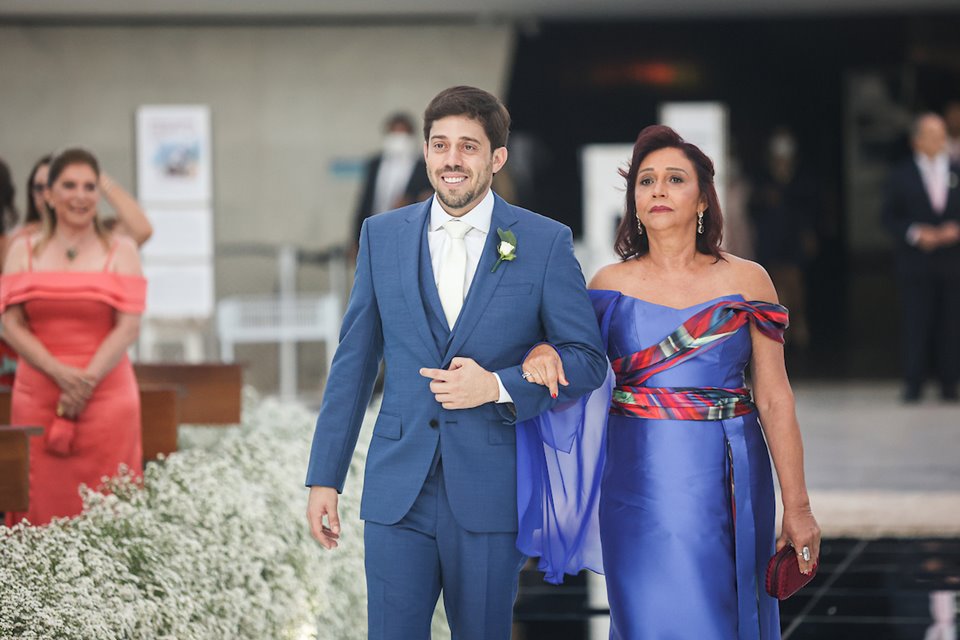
{"points": [[652, 503]]}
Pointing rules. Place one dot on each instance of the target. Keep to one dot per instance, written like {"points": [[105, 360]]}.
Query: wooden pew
{"points": [[169, 394], [211, 393], [15, 467], [159, 419], [5, 396]]}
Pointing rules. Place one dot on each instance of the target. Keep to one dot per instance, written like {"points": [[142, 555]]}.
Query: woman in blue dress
{"points": [[661, 479]]}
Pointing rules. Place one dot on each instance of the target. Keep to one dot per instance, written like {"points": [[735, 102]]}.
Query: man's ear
{"points": [[424, 150], [499, 158]]}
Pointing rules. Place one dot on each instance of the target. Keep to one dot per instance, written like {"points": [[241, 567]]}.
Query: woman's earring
{"points": [[639, 226], [700, 222]]}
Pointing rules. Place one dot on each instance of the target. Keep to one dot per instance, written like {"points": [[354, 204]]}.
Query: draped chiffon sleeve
{"points": [[560, 456]]}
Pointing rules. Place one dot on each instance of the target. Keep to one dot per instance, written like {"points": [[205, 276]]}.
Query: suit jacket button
{"points": [[434, 424]]}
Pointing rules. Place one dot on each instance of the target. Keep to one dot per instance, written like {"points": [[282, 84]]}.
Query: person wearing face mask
{"points": [[71, 297], [392, 174], [922, 213]]}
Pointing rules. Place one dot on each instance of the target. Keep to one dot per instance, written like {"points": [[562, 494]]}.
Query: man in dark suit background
{"points": [[922, 211], [395, 177]]}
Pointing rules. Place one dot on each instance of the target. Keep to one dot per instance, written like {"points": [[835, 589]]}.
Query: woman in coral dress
{"points": [[71, 299], [661, 479]]}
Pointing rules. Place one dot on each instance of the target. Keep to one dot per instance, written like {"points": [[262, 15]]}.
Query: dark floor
{"points": [[882, 589]]}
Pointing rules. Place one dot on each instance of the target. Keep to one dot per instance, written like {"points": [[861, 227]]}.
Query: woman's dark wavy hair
{"points": [[34, 214], [629, 243]]}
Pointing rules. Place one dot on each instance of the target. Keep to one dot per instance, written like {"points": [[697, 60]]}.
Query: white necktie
{"points": [[453, 270]]}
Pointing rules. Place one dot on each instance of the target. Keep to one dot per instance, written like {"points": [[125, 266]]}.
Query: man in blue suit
{"points": [[450, 293]]}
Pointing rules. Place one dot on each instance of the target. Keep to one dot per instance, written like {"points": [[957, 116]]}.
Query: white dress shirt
{"points": [[479, 219], [935, 175]]}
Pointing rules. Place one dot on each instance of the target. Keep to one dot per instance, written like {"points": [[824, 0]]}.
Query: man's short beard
{"points": [[456, 202]]}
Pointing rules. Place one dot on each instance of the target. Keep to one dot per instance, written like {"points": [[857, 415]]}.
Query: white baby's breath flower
{"points": [[213, 545]]}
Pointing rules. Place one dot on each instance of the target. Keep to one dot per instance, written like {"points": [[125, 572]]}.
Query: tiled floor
{"points": [[886, 589]]}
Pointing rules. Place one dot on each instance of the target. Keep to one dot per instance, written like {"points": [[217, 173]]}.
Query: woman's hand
{"points": [[77, 385], [543, 366], [800, 529], [69, 407]]}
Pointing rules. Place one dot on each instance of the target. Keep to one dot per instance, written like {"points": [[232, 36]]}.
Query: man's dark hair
{"points": [[480, 105]]}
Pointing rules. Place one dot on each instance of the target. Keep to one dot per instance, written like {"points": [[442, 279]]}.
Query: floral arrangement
{"points": [[214, 545]]}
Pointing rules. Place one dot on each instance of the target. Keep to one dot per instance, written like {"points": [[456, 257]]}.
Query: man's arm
{"points": [[570, 325], [351, 379]]}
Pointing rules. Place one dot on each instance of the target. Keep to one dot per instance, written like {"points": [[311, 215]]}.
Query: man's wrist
{"points": [[501, 395]]}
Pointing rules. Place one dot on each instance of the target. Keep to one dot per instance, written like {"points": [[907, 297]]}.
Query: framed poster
{"points": [[173, 154]]}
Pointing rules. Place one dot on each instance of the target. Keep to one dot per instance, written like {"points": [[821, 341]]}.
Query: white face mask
{"points": [[398, 142]]}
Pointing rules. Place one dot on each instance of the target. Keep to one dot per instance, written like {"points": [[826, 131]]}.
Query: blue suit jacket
{"points": [[539, 296]]}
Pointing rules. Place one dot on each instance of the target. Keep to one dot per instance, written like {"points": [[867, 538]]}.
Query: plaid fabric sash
{"points": [[710, 326], [681, 403]]}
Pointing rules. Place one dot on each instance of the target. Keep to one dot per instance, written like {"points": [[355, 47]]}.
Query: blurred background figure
{"points": [[783, 213], [71, 298], [951, 116], [394, 177], [8, 218], [922, 212], [737, 229], [130, 218], [8, 210]]}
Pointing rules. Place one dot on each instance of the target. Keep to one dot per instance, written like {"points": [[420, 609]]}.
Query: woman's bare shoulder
{"points": [[609, 277], [127, 258], [750, 279], [17, 258]]}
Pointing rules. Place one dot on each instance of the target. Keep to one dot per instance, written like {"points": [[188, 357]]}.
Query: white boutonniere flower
{"points": [[506, 249]]}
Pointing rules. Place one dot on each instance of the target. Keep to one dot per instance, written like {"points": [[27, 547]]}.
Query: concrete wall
{"points": [[288, 104]]}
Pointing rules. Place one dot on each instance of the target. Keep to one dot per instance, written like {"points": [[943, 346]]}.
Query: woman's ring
{"points": [[805, 554], [526, 375]]}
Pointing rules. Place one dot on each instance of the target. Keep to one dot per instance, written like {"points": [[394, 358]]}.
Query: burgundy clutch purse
{"points": [[783, 574], [58, 437]]}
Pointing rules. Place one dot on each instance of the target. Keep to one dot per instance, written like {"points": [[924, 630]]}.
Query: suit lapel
{"points": [[484, 282], [921, 185], [409, 244], [953, 190]]}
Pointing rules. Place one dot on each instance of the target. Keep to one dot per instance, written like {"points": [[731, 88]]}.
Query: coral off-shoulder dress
{"points": [[71, 312]]}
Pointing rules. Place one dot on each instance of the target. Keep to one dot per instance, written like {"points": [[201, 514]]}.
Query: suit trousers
{"points": [[408, 565], [931, 323]]}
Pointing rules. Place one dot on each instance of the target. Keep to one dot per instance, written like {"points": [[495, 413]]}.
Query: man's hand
{"points": [[949, 233], [927, 237], [544, 366], [323, 502], [464, 385]]}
